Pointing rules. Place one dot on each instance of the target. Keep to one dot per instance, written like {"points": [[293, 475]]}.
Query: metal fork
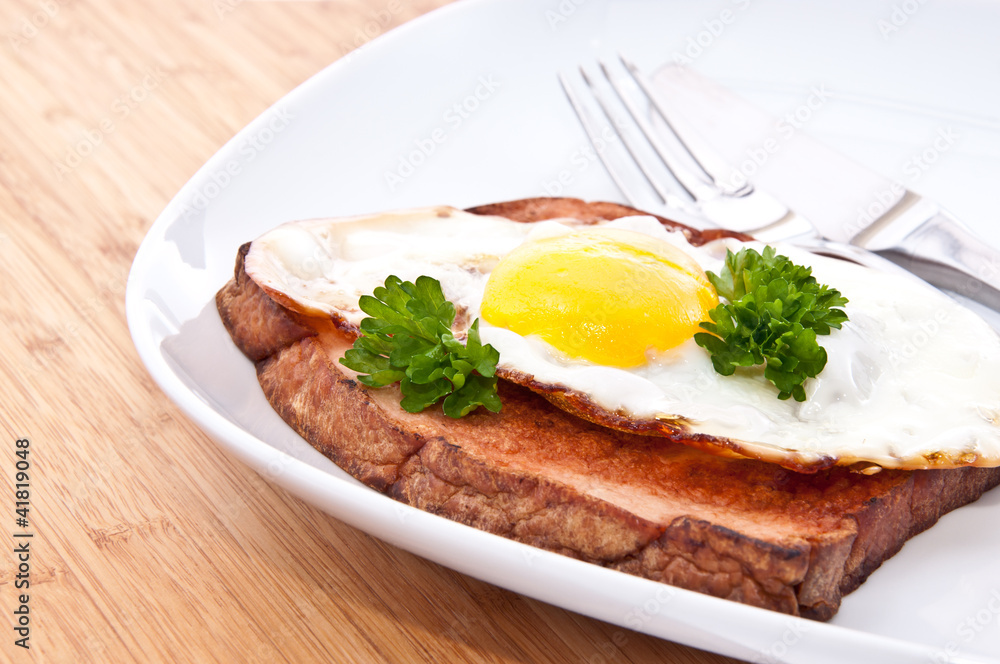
{"points": [[664, 161], [661, 172]]}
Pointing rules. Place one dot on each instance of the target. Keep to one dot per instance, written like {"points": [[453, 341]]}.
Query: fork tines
{"points": [[627, 111]]}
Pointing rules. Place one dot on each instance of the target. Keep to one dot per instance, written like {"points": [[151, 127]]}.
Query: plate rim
{"points": [[257, 453]]}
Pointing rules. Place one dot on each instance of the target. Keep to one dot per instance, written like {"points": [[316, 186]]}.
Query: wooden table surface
{"points": [[148, 543]]}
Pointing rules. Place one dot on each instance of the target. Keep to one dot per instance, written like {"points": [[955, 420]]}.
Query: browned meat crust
{"points": [[741, 529], [539, 209]]}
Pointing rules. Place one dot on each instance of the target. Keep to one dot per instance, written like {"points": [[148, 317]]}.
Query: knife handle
{"points": [[943, 251]]}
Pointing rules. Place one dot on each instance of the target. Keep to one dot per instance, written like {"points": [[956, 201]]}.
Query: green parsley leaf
{"points": [[408, 340], [774, 311]]}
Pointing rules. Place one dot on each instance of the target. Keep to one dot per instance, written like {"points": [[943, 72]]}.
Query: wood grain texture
{"points": [[150, 544]]}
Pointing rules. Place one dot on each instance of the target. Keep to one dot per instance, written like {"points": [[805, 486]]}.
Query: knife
{"points": [[843, 200]]}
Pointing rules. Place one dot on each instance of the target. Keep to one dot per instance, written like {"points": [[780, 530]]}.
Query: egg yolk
{"points": [[602, 295]]}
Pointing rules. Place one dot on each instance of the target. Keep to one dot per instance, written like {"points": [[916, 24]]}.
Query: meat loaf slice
{"points": [[740, 529]]}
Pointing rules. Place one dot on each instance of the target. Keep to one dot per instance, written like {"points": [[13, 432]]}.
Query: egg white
{"points": [[912, 380]]}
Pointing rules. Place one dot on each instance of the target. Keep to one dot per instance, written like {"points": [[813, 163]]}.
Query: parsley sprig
{"points": [[408, 340], [774, 311]]}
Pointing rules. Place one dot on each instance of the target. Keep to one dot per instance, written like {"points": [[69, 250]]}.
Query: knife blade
{"points": [[843, 200]]}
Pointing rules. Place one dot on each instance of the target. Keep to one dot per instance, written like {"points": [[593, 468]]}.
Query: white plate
{"points": [[463, 106]]}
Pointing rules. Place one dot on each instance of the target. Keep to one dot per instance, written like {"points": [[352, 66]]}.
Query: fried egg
{"points": [[600, 317]]}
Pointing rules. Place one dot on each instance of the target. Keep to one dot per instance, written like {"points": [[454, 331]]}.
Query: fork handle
{"points": [[944, 252]]}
